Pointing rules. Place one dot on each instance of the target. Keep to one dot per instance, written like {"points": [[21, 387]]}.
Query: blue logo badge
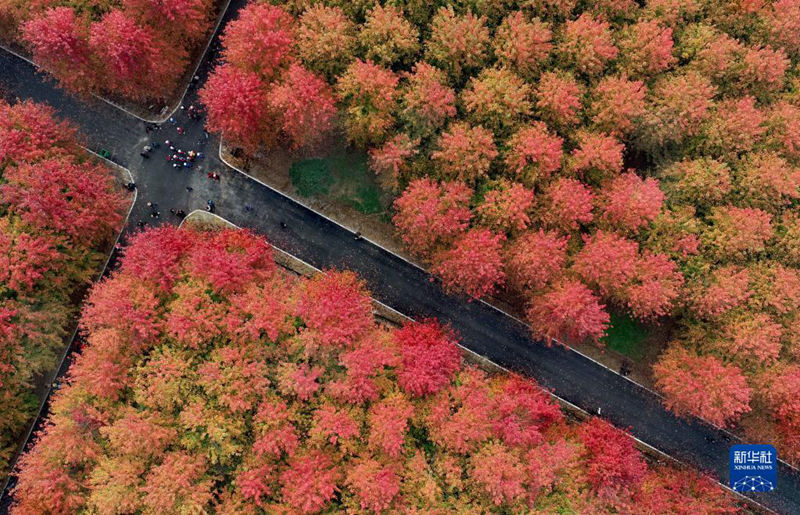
{"points": [[754, 468]]}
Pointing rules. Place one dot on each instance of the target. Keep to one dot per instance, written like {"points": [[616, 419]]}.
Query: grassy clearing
{"points": [[626, 336]]}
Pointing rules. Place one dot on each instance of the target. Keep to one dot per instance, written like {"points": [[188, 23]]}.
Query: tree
{"points": [[782, 19], [178, 484], [388, 424], [60, 43], [473, 264], [305, 105], [458, 43], [392, 160], [79, 201], [607, 261], [534, 153], [736, 126], [337, 307], [630, 202], [522, 45], [702, 386], [646, 49], [505, 208], [427, 101], [728, 288], [459, 418], [429, 213], [236, 107], [230, 260], [387, 37], [767, 181], [764, 70], [260, 40], [429, 357], [137, 62], [325, 39], [310, 482], [497, 99], [535, 259], [567, 205], [498, 474], [737, 232], [465, 152], [655, 287], [749, 338], [375, 485], [558, 98], [567, 310], [701, 182], [183, 22], [783, 122], [370, 94], [679, 106], [522, 413], [587, 45], [617, 104], [614, 463], [597, 156], [30, 132]]}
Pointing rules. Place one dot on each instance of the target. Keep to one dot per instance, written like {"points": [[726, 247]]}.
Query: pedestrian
{"points": [[598, 410], [180, 130], [172, 210], [144, 155], [150, 204], [167, 142], [131, 186], [248, 207], [181, 214], [283, 224], [189, 188], [140, 223], [172, 120], [210, 175], [148, 129]]}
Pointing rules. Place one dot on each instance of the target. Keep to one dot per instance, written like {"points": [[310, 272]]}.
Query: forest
{"points": [[578, 158], [59, 212], [213, 381], [134, 50]]}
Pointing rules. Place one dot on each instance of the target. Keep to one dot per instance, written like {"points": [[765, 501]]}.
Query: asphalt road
{"points": [[393, 281]]}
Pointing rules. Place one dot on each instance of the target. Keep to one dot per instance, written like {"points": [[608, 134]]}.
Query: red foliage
{"points": [[737, 232], [783, 21], [535, 259], [304, 105], [336, 305], [259, 40], [229, 260], [647, 48], [184, 21], [59, 195], [458, 43], [137, 61], [236, 103], [607, 261], [310, 482], [30, 132], [429, 213], [587, 44], [334, 425], [156, 254], [465, 153], [498, 474], [522, 44], [534, 153], [569, 310], [522, 412], [655, 287], [460, 417], [392, 159], [474, 263], [388, 422], [729, 287], [60, 43], [429, 357], [597, 153], [427, 101], [630, 202], [567, 205], [375, 485], [505, 209], [702, 385], [617, 104], [370, 93], [558, 97], [614, 464]]}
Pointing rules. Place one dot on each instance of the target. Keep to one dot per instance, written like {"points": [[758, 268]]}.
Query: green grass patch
{"points": [[311, 177], [367, 200], [626, 336]]}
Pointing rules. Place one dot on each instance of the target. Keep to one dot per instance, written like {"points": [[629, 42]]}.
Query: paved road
{"points": [[393, 281]]}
